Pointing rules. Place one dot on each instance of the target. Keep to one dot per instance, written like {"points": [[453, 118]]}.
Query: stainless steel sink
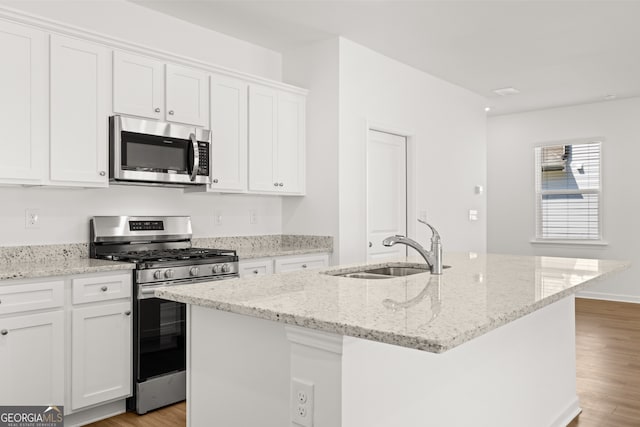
{"points": [[386, 272]]}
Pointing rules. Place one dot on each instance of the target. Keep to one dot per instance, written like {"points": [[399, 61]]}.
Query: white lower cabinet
{"points": [[55, 352], [32, 359], [263, 266], [100, 354]]}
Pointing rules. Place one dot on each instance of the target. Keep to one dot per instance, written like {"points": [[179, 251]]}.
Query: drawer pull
{"points": [[4, 332], [255, 271], [127, 313], [304, 265], [104, 289]]}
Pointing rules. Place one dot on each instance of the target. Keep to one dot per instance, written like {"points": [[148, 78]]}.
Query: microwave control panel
{"points": [[203, 153]]}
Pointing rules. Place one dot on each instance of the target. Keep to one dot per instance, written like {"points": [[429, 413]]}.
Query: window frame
{"points": [[539, 193]]}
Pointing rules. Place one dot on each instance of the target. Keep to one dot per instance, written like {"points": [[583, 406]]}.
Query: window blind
{"points": [[568, 191]]}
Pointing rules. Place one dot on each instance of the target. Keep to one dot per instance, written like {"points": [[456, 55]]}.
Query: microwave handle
{"points": [[196, 156]]}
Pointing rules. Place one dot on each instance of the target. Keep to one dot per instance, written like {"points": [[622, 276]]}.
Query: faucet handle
{"points": [[436, 235]]}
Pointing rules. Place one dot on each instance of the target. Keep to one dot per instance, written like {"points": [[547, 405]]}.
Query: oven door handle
{"points": [[196, 156]]}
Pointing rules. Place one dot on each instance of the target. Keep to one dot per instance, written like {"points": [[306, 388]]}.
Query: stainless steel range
{"points": [[161, 249]]}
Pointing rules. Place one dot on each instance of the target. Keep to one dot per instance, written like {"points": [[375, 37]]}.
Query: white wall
{"points": [[64, 213], [134, 23], [511, 200], [448, 128], [316, 67]]}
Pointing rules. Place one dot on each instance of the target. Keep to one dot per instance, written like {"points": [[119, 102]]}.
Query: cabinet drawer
{"points": [[256, 268], [31, 296], [91, 289], [301, 263]]}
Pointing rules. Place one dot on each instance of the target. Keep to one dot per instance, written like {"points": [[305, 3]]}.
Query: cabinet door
{"points": [[263, 113], [79, 112], [23, 104], [101, 354], [229, 129], [291, 143], [187, 95], [32, 359], [138, 86]]}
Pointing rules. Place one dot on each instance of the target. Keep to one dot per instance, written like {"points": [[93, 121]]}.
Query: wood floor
{"points": [[608, 368]]}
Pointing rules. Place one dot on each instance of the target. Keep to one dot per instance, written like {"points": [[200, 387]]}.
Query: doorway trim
{"points": [[410, 153]]}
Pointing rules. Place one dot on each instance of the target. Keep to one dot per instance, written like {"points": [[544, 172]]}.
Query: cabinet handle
{"points": [[4, 332], [255, 271], [275, 184], [157, 110], [281, 185], [304, 265], [171, 112], [102, 173], [104, 289], [0, 301], [370, 244], [127, 313], [215, 180]]}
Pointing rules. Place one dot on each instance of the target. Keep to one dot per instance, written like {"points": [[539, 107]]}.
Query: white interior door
{"points": [[386, 193]]}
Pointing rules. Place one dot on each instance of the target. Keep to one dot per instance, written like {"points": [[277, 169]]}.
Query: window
{"points": [[568, 191]]}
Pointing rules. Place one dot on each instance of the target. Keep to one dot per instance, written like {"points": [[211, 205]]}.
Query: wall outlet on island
{"points": [[217, 217], [253, 216], [301, 402], [32, 218]]}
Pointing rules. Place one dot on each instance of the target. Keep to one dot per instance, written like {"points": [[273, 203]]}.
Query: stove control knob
{"points": [[216, 268], [157, 274], [226, 268], [194, 271], [168, 274]]}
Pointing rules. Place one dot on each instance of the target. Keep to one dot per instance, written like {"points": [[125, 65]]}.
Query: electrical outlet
{"points": [[301, 402], [473, 215], [32, 218], [253, 216], [217, 217]]}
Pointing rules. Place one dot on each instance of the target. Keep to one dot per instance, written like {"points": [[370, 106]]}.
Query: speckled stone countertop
{"points": [[251, 247], [432, 313], [24, 262]]}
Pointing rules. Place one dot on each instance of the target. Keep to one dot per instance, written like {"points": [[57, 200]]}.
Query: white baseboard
{"points": [[608, 296], [568, 414]]}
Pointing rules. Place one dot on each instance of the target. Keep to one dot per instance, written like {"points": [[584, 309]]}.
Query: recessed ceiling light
{"points": [[609, 97], [506, 91]]}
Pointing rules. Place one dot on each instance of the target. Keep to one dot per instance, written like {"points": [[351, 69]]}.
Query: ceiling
{"points": [[555, 52]]}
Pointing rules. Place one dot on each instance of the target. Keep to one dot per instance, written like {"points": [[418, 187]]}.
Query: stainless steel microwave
{"points": [[158, 153]]}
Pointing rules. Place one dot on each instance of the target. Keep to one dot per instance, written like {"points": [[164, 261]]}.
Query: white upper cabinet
{"points": [[229, 130], [23, 104], [138, 86], [80, 105], [291, 142], [276, 141], [263, 104], [146, 87], [187, 95]]}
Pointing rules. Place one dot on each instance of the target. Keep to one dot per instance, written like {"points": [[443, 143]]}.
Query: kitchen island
{"points": [[490, 342]]}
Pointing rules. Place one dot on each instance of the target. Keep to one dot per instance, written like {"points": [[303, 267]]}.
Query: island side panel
{"points": [[522, 374], [238, 370]]}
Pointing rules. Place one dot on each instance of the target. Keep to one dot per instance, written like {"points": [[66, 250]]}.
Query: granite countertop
{"points": [[432, 313], [58, 267], [252, 247]]}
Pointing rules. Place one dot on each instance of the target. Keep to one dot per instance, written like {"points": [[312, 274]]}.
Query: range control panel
{"points": [[146, 225]]}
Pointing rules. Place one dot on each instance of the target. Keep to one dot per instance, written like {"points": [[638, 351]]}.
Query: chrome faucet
{"points": [[432, 257]]}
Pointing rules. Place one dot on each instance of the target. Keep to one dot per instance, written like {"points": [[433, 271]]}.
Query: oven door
{"points": [[161, 338], [148, 151]]}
